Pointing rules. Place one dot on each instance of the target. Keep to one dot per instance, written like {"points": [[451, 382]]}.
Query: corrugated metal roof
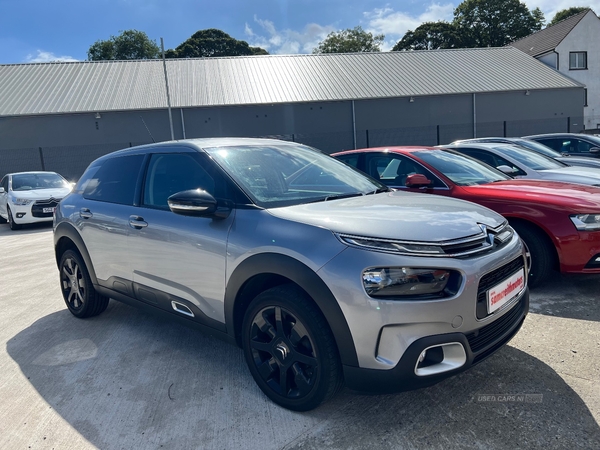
{"points": [[124, 85], [546, 40]]}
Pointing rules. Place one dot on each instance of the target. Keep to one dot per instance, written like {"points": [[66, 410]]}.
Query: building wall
{"points": [[585, 37], [550, 59], [67, 143]]}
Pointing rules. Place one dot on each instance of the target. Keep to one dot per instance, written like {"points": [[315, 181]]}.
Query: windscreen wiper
{"points": [[339, 196]]}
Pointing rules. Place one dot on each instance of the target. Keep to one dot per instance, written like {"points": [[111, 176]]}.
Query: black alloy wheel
{"points": [[78, 292], [290, 350]]}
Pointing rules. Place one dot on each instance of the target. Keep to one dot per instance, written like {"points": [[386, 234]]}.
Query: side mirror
{"points": [[506, 169], [195, 202], [417, 180], [2, 191], [595, 150]]}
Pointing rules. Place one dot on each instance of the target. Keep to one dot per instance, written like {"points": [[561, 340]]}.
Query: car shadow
{"points": [[131, 379], [573, 296]]}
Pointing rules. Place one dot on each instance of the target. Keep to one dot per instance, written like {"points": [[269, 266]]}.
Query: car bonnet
{"points": [[396, 215]]}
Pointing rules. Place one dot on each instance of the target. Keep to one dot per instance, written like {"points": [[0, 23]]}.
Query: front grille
{"points": [[37, 210], [488, 339], [491, 279]]}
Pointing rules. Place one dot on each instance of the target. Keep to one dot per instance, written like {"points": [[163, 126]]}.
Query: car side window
{"points": [[351, 160], [4, 183], [392, 169], [556, 144], [113, 181], [582, 146], [490, 159], [169, 173]]}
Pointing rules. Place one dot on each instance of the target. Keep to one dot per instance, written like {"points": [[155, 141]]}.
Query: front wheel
{"points": [[11, 220], [77, 289], [539, 253], [290, 349]]}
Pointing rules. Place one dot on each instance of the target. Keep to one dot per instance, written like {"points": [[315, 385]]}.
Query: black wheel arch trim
{"points": [[67, 230], [305, 278]]}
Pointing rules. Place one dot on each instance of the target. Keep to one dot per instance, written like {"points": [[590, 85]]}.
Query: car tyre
{"points": [[290, 349], [11, 221], [540, 254], [76, 285]]}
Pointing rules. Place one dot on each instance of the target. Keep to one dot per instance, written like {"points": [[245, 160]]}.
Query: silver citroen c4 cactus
{"points": [[321, 274]]}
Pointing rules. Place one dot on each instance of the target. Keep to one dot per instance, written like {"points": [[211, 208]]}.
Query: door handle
{"points": [[137, 222], [85, 213]]}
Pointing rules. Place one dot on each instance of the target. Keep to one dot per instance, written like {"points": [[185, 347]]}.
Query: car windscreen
{"points": [[530, 158], [33, 181], [540, 148], [274, 175], [461, 169]]}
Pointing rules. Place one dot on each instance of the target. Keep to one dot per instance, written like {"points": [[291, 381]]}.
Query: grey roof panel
{"points": [[125, 85], [546, 40]]}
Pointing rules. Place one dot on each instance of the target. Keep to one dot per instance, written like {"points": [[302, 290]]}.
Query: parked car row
{"points": [[554, 207], [323, 274]]}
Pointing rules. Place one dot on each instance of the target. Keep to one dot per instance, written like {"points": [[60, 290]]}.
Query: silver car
{"points": [[520, 162], [579, 161], [320, 273]]}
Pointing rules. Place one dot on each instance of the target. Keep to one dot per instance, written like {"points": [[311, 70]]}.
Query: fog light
{"points": [[431, 356], [20, 215]]}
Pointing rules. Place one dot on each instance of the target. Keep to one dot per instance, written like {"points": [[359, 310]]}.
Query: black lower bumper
{"points": [[478, 345]]}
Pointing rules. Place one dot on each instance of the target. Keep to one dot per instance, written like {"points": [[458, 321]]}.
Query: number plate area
{"points": [[505, 291]]}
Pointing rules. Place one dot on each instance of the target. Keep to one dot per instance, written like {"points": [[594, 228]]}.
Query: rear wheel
{"points": [[78, 292], [290, 350], [11, 220], [539, 251]]}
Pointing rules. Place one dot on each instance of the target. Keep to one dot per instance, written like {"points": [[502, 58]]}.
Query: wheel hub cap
{"points": [[281, 351]]}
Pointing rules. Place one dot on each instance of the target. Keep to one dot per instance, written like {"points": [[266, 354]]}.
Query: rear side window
{"points": [[113, 181]]}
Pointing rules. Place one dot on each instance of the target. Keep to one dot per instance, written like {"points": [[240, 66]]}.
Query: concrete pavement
{"points": [[130, 380]]}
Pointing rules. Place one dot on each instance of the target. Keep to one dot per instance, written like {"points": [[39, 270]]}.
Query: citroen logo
{"points": [[489, 237], [282, 351]]}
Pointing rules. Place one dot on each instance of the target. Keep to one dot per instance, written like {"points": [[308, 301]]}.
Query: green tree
{"points": [[539, 18], [494, 23], [566, 13], [212, 43], [130, 44], [351, 40], [430, 36]]}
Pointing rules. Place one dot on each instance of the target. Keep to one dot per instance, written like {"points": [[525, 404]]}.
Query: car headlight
{"points": [[586, 222], [21, 201], [405, 282]]}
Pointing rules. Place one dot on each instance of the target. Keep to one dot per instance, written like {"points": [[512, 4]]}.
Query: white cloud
{"points": [[551, 7], [43, 57], [394, 24], [286, 42]]}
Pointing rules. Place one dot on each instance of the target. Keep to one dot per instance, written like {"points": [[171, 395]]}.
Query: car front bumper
{"points": [[32, 213], [478, 345]]}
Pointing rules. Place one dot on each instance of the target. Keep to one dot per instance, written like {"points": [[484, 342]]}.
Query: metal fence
{"points": [[71, 161]]}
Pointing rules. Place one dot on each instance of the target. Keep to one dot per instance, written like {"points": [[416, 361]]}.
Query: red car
{"points": [[558, 222]]}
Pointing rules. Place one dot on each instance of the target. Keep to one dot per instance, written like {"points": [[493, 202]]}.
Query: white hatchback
{"points": [[30, 197]]}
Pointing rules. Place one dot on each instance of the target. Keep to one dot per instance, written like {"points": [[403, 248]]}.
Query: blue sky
{"points": [[50, 30]]}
